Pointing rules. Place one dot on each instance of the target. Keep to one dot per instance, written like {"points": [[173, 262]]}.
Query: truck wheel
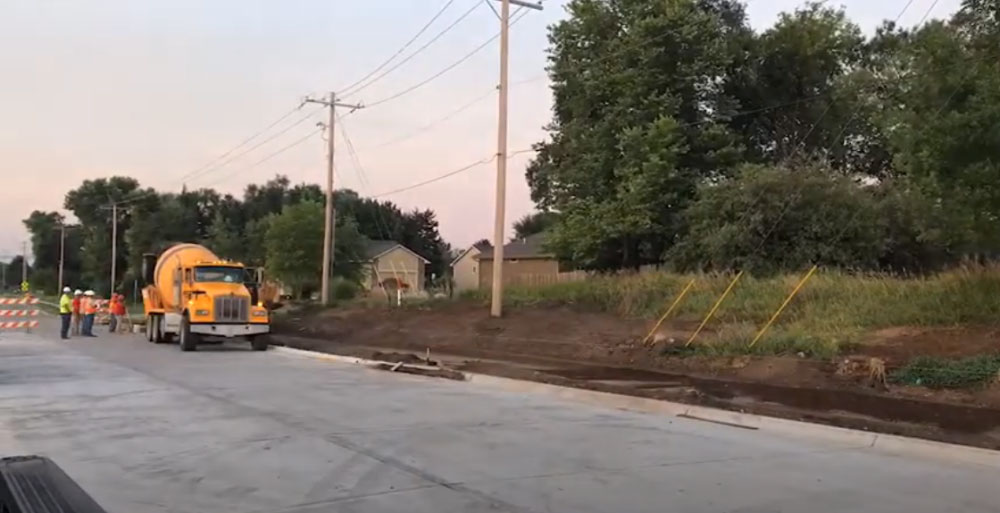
{"points": [[258, 342], [158, 329], [189, 341], [150, 325]]}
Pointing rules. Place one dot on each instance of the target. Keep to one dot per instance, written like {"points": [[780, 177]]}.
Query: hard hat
{"points": [[89, 293], [66, 289], [77, 292]]}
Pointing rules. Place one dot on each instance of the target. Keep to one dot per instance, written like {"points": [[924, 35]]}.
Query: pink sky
{"points": [[155, 90]]}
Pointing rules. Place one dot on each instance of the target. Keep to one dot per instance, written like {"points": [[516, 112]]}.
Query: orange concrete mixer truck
{"points": [[193, 295]]}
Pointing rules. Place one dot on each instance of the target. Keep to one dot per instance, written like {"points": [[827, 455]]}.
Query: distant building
{"points": [[465, 268], [392, 265], [525, 262]]}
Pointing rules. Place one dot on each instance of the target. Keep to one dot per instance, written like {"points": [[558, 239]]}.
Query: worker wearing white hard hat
{"points": [[65, 313], [89, 309], [77, 312]]}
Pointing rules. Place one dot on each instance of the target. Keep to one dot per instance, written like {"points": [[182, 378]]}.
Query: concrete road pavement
{"points": [[145, 427]]}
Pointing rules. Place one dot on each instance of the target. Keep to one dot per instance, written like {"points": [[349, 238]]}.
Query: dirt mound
{"points": [[899, 345]]}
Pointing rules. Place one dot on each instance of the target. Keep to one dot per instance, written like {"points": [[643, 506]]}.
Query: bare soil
{"points": [[603, 352]]}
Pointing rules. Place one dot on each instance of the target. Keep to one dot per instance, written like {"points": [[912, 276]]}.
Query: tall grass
{"points": [[832, 309]]}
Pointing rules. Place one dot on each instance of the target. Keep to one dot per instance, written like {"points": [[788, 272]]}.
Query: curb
{"points": [[883, 443]]}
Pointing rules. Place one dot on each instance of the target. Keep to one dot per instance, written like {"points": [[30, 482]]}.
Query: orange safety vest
{"points": [[89, 306]]}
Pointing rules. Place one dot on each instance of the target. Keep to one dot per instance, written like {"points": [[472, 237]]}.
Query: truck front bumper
{"points": [[230, 330]]}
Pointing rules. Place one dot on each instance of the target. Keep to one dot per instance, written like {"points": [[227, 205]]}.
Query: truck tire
{"points": [[189, 341], [150, 325], [158, 329], [258, 342]]}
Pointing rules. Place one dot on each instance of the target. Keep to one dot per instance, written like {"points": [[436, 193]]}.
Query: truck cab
{"points": [[193, 298]]}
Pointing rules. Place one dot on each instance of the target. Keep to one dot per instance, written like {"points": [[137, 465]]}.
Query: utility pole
{"points": [[330, 220], [24, 261], [496, 303], [62, 254], [114, 244], [114, 247]]}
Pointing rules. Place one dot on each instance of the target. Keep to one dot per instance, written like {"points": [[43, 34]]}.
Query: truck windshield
{"points": [[219, 274]]}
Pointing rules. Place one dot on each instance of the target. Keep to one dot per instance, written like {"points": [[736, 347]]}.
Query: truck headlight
{"points": [[260, 313], [201, 313]]}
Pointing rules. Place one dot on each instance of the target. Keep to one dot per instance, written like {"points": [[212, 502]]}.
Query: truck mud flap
{"points": [[34, 484]]}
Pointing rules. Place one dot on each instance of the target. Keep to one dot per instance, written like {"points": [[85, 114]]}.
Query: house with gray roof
{"points": [[390, 265], [525, 262]]}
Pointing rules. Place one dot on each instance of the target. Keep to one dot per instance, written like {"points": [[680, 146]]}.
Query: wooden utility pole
{"points": [[496, 303], [24, 263], [62, 254], [331, 212], [114, 247], [114, 244]]}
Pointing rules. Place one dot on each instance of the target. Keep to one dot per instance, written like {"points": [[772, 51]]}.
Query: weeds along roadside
{"points": [[833, 312]]}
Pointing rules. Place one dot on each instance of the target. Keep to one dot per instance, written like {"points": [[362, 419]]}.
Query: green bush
{"points": [[345, 290], [941, 373], [775, 218]]}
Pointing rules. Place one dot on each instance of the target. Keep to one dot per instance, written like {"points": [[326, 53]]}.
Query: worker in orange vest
{"points": [[112, 319], [77, 311], [116, 311], [89, 307]]}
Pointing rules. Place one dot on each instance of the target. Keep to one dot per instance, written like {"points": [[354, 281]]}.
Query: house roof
{"points": [[377, 248], [532, 246], [481, 246]]}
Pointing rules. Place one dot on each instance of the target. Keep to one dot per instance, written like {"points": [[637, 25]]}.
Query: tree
{"points": [[91, 203], [166, 220], [535, 222], [294, 247], [262, 201], [797, 75], [420, 234], [770, 219], [224, 239], [630, 76], [45, 229], [13, 272]]}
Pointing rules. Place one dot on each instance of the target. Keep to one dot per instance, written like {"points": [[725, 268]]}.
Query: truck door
{"points": [[178, 286]]}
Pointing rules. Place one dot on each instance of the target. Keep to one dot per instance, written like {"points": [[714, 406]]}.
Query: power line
{"points": [[348, 90], [204, 172], [261, 143], [494, 9], [446, 117], [437, 178], [380, 223], [447, 69], [402, 48], [358, 168], [268, 157], [450, 174], [424, 128], [243, 142]]}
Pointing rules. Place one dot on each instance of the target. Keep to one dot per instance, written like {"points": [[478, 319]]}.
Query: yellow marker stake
{"points": [[781, 308], [715, 307], [671, 309]]}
